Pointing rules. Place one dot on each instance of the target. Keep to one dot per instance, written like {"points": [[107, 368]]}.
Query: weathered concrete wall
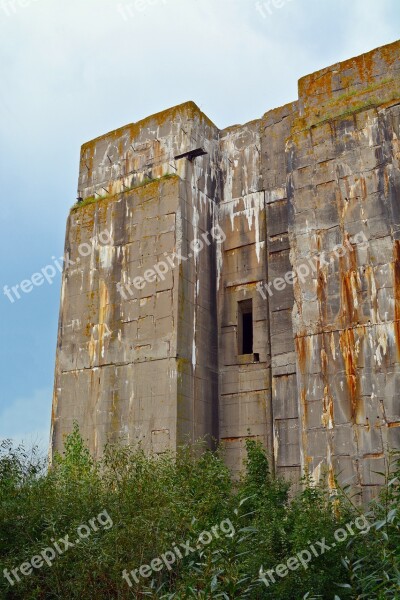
{"points": [[126, 157], [245, 380], [140, 363], [197, 355], [275, 127], [298, 187], [343, 164], [116, 368]]}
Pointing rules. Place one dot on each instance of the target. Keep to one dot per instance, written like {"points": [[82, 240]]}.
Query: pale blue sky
{"points": [[72, 70]]}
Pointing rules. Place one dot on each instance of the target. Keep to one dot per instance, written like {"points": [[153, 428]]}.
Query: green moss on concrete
{"points": [[146, 182], [342, 98], [346, 105], [85, 202]]}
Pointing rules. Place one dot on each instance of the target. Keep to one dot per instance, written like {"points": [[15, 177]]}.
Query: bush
{"points": [[202, 535]]}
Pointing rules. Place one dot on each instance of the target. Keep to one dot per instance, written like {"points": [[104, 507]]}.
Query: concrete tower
{"points": [[243, 283]]}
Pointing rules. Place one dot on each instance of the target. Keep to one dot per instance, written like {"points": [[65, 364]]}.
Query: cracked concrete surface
{"points": [[163, 365]]}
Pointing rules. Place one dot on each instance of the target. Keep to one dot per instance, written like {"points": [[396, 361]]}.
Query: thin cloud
{"points": [[27, 420]]}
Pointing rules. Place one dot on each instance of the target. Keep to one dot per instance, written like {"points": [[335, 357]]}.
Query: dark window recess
{"points": [[192, 154], [247, 333], [245, 327]]}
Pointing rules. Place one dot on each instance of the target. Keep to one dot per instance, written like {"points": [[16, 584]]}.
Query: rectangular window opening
{"points": [[245, 327]]}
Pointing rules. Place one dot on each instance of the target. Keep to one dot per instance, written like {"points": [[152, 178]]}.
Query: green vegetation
{"points": [[85, 202], [360, 91], [356, 101], [157, 503], [146, 181]]}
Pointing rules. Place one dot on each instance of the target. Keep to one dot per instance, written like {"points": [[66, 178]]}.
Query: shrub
{"points": [[228, 534]]}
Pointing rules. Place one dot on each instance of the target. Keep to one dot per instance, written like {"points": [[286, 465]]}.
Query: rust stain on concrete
{"points": [[396, 286], [286, 190]]}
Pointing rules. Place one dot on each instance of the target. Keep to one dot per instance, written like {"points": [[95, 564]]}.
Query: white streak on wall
{"points": [[106, 256], [254, 205]]}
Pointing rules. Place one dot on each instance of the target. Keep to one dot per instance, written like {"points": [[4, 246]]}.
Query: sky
{"points": [[73, 70]]}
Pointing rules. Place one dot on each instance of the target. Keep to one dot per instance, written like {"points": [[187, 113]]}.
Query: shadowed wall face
{"points": [[284, 327], [245, 377]]}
